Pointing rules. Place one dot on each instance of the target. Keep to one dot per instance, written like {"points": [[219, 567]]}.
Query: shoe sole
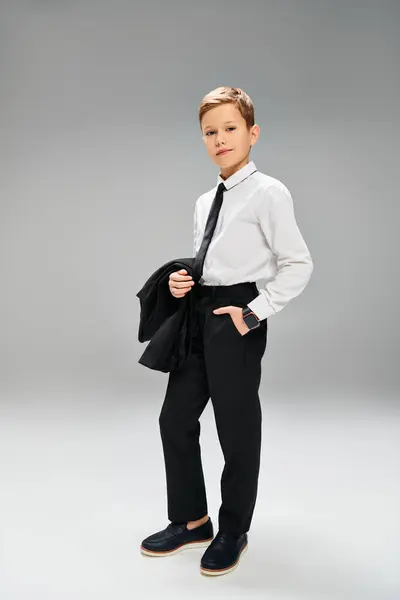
{"points": [[215, 572], [185, 546]]}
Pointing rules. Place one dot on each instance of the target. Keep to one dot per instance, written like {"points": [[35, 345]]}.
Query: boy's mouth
{"points": [[223, 151]]}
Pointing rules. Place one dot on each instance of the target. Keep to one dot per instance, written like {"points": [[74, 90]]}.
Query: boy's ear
{"points": [[255, 133]]}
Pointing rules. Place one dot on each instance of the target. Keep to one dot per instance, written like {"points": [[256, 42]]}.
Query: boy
{"points": [[244, 230]]}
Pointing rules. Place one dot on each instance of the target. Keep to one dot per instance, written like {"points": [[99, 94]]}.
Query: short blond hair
{"points": [[225, 94]]}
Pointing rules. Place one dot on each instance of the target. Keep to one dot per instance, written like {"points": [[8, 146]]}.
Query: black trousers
{"points": [[226, 366]]}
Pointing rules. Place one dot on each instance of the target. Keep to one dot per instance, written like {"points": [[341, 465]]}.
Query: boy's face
{"points": [[224, 128]]}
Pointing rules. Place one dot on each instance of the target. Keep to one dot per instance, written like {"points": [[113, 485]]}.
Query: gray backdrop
{"points": [[101, 164]]}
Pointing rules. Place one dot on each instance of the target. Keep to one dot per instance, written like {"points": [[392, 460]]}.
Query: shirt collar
{"points": [[238, 176]]}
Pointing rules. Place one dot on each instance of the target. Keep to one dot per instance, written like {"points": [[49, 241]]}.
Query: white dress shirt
{"points": [[256, 237]]}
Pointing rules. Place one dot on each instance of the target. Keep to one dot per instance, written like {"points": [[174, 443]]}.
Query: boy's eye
{"points": [[211, 131]]}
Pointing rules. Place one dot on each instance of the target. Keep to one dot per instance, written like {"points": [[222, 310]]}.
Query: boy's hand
{"points": [[180, 283], [236, 316]]}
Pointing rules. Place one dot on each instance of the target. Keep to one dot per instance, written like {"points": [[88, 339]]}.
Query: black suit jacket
{"points": [[165, 320]]}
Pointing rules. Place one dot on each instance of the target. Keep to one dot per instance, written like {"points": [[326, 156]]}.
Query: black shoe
{"points": [[223, 554], [176, 537]]}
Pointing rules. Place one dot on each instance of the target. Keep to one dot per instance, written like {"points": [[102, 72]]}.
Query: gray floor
{"points": [[83, 482]]}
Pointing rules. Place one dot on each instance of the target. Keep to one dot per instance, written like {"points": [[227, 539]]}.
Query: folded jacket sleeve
{"points": [[275, 212]]}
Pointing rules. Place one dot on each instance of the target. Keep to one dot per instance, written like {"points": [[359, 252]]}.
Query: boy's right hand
{"points": [[180, 283]]}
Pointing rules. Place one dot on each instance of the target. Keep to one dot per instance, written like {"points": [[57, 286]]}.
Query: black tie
{"points": [[208, 233]]}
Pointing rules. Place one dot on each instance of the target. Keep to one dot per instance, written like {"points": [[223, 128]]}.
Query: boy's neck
{"points": [[229, 171]]}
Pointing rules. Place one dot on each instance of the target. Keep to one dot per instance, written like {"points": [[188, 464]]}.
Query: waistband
{"points": [[216, 291]]}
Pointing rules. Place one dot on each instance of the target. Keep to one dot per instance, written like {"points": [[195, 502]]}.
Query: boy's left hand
{"points": [[236, 316]]}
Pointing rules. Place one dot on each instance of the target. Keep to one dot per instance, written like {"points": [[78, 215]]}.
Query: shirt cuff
{"points": [[260, 307]]}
